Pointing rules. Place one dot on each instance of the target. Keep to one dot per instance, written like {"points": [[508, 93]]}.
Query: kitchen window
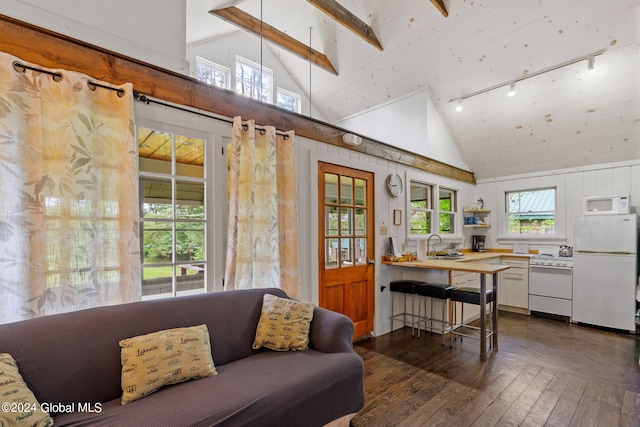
{"points": [[446, 211], [531, 211], [420, 208]]}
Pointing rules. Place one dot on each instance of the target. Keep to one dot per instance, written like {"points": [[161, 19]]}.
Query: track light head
{"points": [[459, 106], [591, 63], [512, 89]]}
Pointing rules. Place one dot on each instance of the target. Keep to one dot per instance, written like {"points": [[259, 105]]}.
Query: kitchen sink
{"points": [[449, 257]]}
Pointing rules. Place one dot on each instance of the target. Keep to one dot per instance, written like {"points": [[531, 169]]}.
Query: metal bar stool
{"points": [[433, 291], [405, 287], [468, 295]]}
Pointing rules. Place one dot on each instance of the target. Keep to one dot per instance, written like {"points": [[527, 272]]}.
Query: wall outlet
{"points": [[384, 230]]}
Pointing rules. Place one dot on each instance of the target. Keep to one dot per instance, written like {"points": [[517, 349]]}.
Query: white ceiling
{"points": [[563, 118]]}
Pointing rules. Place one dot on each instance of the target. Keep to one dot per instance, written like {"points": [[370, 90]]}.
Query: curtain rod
{"points": [[145, 99], [57, 77]]}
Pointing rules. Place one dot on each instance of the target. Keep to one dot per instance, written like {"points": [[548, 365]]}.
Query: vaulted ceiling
{"points": [[566, 117]]}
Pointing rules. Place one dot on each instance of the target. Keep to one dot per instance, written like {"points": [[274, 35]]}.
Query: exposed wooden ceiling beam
{"points": [[252, 24], [52, 50], [439, 4], [348, 19]]}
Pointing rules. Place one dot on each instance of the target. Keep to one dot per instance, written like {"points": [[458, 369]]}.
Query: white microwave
{"points": [[607, 205]]}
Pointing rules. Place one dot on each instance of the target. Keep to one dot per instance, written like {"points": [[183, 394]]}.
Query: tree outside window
{"points": [[172, 213], [253, 80], [531, 211], [446, 211], [212, 73], [420, 208], [288, 100]]}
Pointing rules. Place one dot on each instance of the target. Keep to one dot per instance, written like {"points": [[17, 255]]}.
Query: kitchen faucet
{"points": [[429, 252]]}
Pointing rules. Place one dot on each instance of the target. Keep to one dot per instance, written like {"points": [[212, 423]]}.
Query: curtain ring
{"points": [[245, 127], [285, 137], [262, 131], [19, 67]]}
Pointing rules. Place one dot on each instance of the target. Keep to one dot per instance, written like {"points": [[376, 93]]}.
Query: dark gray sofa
{"points": [[74, 358]]}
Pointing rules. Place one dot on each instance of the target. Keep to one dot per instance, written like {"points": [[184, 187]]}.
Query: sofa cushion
{"points": [[301, 388], [284, 324], [19, 406], [165, 357]]}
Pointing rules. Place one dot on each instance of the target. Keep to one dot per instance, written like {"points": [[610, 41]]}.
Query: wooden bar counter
{"points": [[472, 267]]}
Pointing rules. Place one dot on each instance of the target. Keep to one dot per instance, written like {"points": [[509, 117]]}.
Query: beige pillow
{"points": [[284, 324], [162, 358], [19, 405]]}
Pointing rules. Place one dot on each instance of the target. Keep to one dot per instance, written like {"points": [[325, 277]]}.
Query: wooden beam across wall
{"points": [[348, 19], [252, 24], [52, 50]]}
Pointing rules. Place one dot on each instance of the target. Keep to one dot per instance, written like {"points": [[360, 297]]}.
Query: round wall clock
{"points": [[394, 185]]}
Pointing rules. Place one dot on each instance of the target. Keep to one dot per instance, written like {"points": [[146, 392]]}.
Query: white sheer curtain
{"points": [[69, 216], [263, 243]]}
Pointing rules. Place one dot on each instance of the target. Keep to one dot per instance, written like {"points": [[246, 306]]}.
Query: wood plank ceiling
{"points": [[564, 118]]}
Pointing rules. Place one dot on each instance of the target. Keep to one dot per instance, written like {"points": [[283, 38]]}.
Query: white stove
{"points": [[551, 284], [552, 261]]}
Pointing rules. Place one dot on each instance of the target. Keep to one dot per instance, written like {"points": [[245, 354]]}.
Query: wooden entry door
{"points": [[346, 244]]}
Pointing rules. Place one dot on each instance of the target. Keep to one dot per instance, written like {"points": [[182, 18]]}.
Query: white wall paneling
{"points": [[573, 185], [139, 29]]}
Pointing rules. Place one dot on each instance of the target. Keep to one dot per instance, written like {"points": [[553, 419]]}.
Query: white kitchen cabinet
{"points": [[513, 292]]}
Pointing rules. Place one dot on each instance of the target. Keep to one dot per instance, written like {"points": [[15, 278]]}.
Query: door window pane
{"points": [[332, 253], [189, 156], [157, 237], [172, 212], [346, 251], [155, 151], [346, 190], [190, 200], [361, 251], [157, 199], [346, 221], [190, 241], [331, 220], [330, 188], [361, 222], [345, 218], [361, 192]]}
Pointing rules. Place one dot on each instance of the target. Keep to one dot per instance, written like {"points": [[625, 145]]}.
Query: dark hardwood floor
{"points": [[546, 373]]}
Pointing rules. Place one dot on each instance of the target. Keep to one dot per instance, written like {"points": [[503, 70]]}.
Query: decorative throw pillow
{"points": [[19, 406], [284, 324], [162, 358]]}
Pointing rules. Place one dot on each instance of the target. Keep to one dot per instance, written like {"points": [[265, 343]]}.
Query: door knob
{"points": [[371, 261]]}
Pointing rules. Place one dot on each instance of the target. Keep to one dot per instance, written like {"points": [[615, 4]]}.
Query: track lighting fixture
{"points": [[512, 83]]}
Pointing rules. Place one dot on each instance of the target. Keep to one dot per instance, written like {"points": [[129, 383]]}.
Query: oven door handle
{"points": [[550, 267]]}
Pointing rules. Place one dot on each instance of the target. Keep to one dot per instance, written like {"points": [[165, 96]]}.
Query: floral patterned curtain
{"points": [[262, 248], [68, 194]]}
